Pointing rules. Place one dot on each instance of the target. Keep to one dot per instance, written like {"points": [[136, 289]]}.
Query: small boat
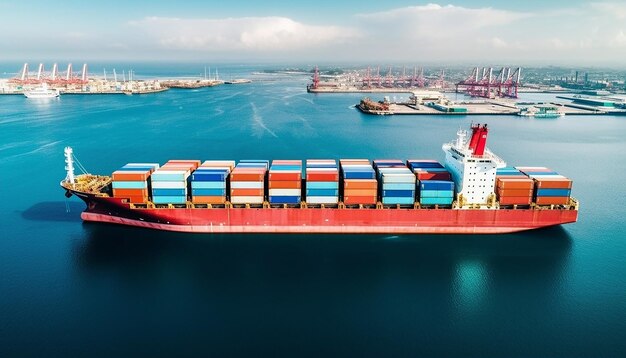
{"points": [[42, 92], [541, 111], [237, 81]]}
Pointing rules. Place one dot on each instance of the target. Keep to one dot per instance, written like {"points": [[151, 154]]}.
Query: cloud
{"points": [[245, 34], [436, 21], [614, 9]]}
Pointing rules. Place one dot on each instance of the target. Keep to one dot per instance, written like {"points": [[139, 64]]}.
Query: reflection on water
{"points": [[54, 211], [470, 284]]}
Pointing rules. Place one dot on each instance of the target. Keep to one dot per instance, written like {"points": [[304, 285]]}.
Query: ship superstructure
{"points": [[473, 168]]}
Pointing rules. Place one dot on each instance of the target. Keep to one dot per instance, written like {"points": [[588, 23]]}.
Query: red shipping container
{"points": [[284, 175], [122, 175], [515, 200], [246, 192], [284, 184], [433, 176], [322, 176], [119, 193], [552, 200], [240, 175], [360, 184], [355, 200]]}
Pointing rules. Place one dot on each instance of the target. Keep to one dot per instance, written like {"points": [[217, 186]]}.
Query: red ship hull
{"points": [[327, 220]]}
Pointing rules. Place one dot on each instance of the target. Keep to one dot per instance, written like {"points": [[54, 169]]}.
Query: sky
{"points": [[549, 32]]}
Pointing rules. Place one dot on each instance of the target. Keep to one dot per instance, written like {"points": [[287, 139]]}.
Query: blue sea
{"points": [[69, 288]]}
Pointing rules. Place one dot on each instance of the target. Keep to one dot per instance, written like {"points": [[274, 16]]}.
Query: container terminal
{"points": [[473, 192], [69, 81]]}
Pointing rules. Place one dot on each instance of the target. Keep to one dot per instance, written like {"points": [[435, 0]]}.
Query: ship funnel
{"points": [[481, 142]]}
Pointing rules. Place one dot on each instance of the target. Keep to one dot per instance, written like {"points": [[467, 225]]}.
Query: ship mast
{"points": [[69, 165]]}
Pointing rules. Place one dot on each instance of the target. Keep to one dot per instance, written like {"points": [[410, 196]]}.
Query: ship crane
{"points": [[483, 83]]}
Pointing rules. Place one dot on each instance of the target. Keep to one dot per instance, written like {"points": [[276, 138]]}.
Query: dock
{"points": [[492, 107]]}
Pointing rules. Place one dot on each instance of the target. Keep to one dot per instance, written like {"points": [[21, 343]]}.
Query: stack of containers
{"points": [[208, 182], [397, 182], [428, 169], [169, 182], [247, 182], [551, 188], [131, 181], [513, 187], [436, 192], [285, 182], [322, 181], [359, 182]]}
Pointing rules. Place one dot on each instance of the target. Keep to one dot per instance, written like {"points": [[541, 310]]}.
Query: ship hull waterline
{"points": [[322, 220]]}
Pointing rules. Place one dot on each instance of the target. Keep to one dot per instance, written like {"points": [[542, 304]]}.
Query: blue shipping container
{"points": [[398, 186], [208, 185], [553, 192], [398, 193], [284, 199], [436, 185], [322, 192], [418, 164], [169, 199], [436, 194], [322, 185], [202, 176], [353, 174], [436, 201], [169, 192], [129, 185], [401, 201]]}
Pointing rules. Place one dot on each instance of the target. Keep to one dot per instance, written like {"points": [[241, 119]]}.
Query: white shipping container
{"points": [[246, 199], [322, 199], [247, 184], [285, 192], [169, 184]]}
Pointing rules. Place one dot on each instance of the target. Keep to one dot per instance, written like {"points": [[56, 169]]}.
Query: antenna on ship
{"points": [[69, 165]]}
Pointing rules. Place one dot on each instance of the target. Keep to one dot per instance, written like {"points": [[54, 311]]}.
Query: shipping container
{"points": [[552, 200], [283, 199], [169, 199], [208, 199], [129, 185]]}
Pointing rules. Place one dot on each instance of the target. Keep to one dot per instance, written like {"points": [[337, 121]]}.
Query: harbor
{"points": [[70, 82], [436, 103]]}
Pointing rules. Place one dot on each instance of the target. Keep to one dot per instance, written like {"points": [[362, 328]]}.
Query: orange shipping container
{"points": [[514, 192], [552, 200], [121, 175], [322, 176], [284, 184], [506, 183], [359, 192], [360, 184], [515, 200], [208, 199], [354, 200], [553, 183], [246, 192]]}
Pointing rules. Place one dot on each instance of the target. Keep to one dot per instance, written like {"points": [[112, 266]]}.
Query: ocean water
{"points": [[69, 288]]}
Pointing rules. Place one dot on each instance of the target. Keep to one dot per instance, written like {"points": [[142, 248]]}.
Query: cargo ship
{"points": [[473, 192]]}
